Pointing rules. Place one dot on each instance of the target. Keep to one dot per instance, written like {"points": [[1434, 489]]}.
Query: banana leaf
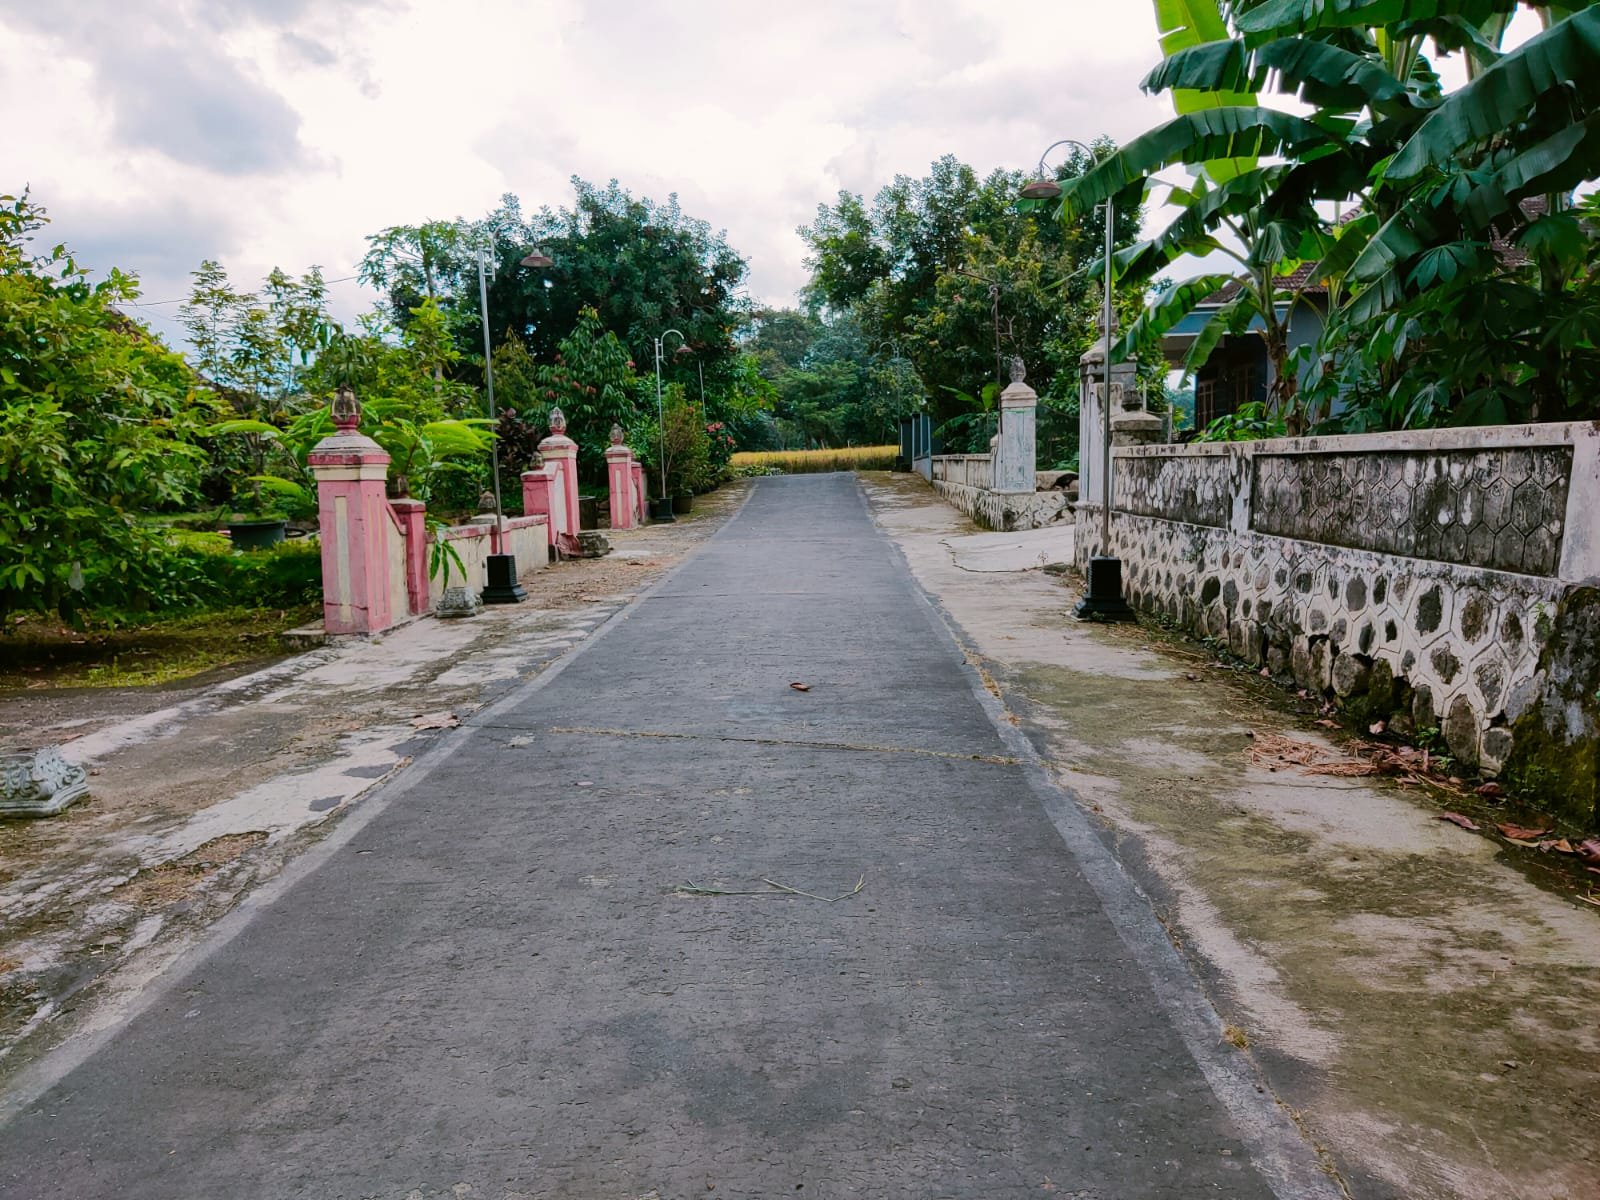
{"points": [[1277, 18], [1565, 56], [1184, 25], [1194, 138], [1169, 309], [1323, 75]]}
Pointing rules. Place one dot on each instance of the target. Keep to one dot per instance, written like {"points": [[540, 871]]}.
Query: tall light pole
{"points": [[1104, 600], [502, 587], [664, 502]]}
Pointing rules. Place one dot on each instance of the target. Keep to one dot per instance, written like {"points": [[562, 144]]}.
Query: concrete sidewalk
{"points": [[548, 960], [1425, 1008]]}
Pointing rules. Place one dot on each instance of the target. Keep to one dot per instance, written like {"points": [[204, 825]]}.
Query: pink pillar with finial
{"points": [[353, 518], [561, 453], [619, 473]]}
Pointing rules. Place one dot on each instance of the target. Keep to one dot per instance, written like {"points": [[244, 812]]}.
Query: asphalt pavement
{"points": [[549, 961]]}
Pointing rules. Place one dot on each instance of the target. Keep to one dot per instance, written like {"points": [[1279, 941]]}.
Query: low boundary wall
{"points": [[526, 538], [1444, 579], [964, 480]]}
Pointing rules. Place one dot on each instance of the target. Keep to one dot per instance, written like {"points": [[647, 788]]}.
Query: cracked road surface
{"points": [[486, 983]]}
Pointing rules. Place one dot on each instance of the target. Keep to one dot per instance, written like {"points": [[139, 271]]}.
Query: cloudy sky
{"points": [[263, 132]]}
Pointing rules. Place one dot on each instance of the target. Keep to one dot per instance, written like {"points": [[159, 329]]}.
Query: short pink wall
{"points": [[541, 497], [412, 517], [525, 538]]}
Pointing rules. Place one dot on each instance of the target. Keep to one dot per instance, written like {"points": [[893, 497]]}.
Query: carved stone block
{"points": [[39, 783], [458, 601]]}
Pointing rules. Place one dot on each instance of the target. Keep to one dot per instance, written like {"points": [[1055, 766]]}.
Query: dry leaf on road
{"points": [[801, 687], [1523, 833], [437, 720], [1457, 819]]}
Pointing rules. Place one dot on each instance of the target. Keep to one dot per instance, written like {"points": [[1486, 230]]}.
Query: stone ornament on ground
{"points": [[39, 783], [458, 601]]}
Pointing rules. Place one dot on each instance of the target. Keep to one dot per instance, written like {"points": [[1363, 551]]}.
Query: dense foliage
{"points": [[925, 293], [97, 422], [1461, 277], [623, 272]]}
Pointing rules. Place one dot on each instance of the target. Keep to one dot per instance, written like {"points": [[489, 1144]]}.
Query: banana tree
{"points": [[1436, 178], [419, 451]]}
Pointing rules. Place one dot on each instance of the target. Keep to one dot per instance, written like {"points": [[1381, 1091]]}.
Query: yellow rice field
{"points": [[802, 462]]}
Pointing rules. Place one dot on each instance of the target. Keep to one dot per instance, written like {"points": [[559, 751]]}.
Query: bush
{"points": [[805, 462], [195, 572]]}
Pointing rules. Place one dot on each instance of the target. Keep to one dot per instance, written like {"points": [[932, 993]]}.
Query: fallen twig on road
{"points": [[796, 891], [691, 888]]}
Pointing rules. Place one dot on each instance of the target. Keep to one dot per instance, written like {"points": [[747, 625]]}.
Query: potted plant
{"points": [[687, 449], [255, 522]]}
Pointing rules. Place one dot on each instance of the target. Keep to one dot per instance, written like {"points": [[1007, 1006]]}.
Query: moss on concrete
{"points": [[1555, 755]]}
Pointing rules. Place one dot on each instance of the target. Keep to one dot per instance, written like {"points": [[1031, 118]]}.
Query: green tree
{"points": [[413, 263], [956, 274], [642, 267], [97, 426], [592, 381]]}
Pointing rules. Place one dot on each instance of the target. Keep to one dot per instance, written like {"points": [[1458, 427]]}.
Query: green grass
{"points": [[40, 653]]}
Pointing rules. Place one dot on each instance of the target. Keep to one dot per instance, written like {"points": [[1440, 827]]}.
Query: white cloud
{"points": [[281, 132]]}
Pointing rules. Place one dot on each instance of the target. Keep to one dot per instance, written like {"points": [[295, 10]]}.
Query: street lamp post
{"points": [[663, 510], [1104, 599], [897, 360], [502, 586]]}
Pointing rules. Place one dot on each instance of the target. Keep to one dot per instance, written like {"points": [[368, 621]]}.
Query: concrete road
{"points": [[486, 985]]}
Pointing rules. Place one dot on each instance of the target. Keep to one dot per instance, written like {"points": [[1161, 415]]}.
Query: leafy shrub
{"points": [[96, 423], [194, 572], [1251, 423]]}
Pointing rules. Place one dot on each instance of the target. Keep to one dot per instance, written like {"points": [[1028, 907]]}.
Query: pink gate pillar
{"points": [[561, 452], [619, 471], [353, 516]]}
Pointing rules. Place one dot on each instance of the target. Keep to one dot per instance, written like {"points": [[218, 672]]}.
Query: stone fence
{"points": [[1443, 579], [965, 480], [967, 470], [999, 490]]}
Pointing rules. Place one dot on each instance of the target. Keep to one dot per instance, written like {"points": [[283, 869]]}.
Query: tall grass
{"points": [[804, 462]]}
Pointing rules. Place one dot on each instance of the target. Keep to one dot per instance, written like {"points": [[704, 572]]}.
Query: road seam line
{"points": [[864, 747]]}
